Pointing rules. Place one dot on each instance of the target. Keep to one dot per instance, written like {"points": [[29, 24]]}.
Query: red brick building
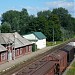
{"points": [[17, 46], [3, 54]]}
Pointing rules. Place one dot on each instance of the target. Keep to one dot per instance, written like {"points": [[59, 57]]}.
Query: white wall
{"points": [[41, 43]]}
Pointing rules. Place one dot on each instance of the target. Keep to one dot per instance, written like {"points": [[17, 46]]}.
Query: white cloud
{"points": [[67, 5], [51, 5], [60, 4], [34, 10]]}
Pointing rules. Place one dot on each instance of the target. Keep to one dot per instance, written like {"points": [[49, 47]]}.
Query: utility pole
{"points": [[14, 48], [0, 31], [53, 34], [53, 37]]}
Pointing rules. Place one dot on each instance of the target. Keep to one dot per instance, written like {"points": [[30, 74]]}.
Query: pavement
{"points": [[10, 64]]}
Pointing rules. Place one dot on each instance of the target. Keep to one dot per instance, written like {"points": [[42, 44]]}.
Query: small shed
{"points": [[41, 67], [60, 59], [70, 52], [3, 54], [38, 38]]}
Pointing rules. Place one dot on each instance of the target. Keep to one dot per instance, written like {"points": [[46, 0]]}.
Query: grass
{"points": [[71, 70], [53, 43], [56, 42]]}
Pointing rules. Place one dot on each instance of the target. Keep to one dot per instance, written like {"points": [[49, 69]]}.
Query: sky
{"points": [[34, 6]]}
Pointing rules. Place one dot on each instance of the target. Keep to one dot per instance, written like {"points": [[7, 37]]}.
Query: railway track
{"points": [[22, 65]]}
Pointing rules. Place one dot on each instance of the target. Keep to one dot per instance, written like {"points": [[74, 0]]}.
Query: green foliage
{"points": [[49, 43], [5, 28], [18, 20], [45, 22], [11, 17], [53, 43], [64, 17], [71, 70]]}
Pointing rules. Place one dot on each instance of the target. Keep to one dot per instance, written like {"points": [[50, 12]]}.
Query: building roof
{"points": [[39, 35], [22, 40], [6, 38], [2, 48], [58, 54], [37, 68], [71, 43], [3, 39], [67, 48], [44, 69]]}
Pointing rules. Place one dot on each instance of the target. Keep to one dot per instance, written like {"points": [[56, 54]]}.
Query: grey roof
{"points": [[58, 54], [3, 39], [39, 67], [45, 68], [9, 37], [67, 47], [18, 43], [2, 48], [22, 40], [71, 43]]}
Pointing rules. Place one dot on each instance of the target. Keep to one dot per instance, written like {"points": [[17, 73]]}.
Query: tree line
{"points": [[58, 20]]}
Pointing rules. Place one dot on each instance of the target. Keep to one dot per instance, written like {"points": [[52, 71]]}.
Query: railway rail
{"points": [[22, 65]]}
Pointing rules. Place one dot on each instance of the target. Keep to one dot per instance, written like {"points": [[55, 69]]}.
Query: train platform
{"points": [[10, 64]]}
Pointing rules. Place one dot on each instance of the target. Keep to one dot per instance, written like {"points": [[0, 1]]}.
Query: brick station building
{"points": [[15, 44]]}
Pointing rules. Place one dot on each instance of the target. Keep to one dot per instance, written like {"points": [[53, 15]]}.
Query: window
{"points": [[21, 50], [17, 52], [3, 56], [30, 48], [26, 49]]}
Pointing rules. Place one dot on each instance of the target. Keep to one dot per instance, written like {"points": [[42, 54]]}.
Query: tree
{"points": [[66, 21], [5, 27], [18, 20], [12, 17], [55, 24], [24, 21], [48, 22], [45, 13], [63, 15]]}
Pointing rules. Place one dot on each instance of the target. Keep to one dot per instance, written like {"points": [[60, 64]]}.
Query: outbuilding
{"points": [[38, 38], [60, 59], [70, 52]]}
